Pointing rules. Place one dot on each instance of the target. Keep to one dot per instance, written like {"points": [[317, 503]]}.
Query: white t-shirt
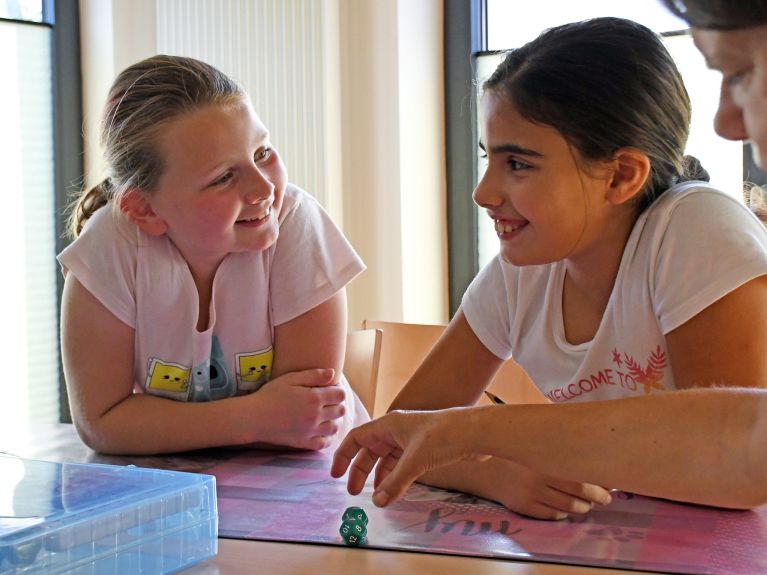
{"points": [[145, 282], [692, 246]]}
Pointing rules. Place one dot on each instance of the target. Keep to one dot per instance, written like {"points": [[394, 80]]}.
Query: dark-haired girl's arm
{"points": [[700, 446]]}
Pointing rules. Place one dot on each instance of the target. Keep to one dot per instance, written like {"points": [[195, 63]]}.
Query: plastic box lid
{"points": [[92, 518]]}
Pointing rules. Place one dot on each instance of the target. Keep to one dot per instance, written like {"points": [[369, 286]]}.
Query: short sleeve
{"points": [[312, 259], [711, 245], [486, 306], [103, 259]]}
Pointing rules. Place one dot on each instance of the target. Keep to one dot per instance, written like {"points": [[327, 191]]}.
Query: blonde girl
{"points": [[204, 302]]}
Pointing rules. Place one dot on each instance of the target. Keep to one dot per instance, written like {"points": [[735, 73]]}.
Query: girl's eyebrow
{"points": [[511, 149]]}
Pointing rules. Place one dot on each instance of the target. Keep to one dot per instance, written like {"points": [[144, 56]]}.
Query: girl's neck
{"points": [[203, 277], [589, 281]]}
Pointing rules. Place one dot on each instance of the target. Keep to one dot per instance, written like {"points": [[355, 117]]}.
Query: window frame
{"points": [[68, 138], [465, 34]]}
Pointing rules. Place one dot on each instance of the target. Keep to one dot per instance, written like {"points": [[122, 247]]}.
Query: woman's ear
{"points": [[135, 205], [630, 170]]}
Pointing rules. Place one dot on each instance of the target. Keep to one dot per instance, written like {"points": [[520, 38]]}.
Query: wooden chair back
{"points": [[405, 345], [361, 363]]}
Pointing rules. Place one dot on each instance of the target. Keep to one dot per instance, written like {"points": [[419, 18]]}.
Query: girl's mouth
{"points": [[506, 227], [259, 218]]}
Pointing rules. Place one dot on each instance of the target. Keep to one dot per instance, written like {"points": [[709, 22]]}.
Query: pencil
{"points": [[494, 398]]}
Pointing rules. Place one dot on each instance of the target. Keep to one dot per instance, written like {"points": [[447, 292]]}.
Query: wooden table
{"points": [[61, 443]]}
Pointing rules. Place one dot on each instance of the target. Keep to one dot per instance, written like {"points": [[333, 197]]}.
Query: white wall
{"points": [[394, 182], [372, 96], [114, 34]]}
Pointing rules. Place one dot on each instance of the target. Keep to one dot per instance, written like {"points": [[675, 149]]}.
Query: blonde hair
{"points": [[142, 99]]}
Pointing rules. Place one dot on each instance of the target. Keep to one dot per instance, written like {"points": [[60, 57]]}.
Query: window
{"points": [[26, 11], [35, 174]]}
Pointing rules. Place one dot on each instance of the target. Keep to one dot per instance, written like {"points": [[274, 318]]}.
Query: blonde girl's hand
{"points": [[304, 409], [404, 445]]}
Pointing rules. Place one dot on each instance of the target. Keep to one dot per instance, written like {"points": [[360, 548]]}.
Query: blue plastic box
{"points": [[93, 519]]}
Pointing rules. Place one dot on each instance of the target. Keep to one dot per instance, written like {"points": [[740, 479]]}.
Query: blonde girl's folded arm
{"points": [[314, 339], [97, 351]]}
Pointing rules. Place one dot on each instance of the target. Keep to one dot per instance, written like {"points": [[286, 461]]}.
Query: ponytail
{"points": [[694, 170], [86, 204]]}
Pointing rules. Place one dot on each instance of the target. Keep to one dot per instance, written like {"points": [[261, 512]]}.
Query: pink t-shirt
{"points": [[144, 281]]}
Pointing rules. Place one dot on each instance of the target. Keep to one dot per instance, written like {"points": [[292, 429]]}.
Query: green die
{"points": [[355, 513], [353, 532]]}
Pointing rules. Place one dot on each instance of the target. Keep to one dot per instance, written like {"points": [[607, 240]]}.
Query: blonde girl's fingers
{"points": [[328, 428], [331, 412], [331, 395], [319, 442]]}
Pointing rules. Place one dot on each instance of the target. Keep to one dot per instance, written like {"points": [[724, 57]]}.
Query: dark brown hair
{"points": [[605, 84]]}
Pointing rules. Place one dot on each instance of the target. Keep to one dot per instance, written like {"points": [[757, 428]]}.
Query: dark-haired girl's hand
{"points": [[402, 446]]}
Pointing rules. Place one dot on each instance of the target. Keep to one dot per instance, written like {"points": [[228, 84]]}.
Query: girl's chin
{"points": [[521, 261], [263, 242], [515, 261]]}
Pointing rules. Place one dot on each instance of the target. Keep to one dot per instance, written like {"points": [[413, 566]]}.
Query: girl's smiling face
{"points": [[741, 57], [222, 185], [545, 206]]}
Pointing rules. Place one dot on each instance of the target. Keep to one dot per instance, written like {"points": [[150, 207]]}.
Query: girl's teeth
{"points": [[259, 218], [503, 228]]}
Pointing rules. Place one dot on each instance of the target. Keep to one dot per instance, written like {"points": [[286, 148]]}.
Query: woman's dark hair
{"points": [[720, 14], [605, 84], [142, 99]]}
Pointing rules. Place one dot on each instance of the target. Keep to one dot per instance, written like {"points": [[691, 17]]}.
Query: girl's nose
{"points": [[258, 187], [728, 121], [483, 194]]}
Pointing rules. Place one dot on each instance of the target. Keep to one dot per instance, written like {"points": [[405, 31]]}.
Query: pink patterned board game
{"points": [[278, 496], [291, 497]]}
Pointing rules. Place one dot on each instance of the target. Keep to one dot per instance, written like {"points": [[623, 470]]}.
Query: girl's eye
{"points": [[262, 154], [516, 165], [222, 180]]}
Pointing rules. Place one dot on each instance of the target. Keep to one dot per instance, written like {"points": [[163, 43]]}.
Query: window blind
{"points": [[29, 388]]}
